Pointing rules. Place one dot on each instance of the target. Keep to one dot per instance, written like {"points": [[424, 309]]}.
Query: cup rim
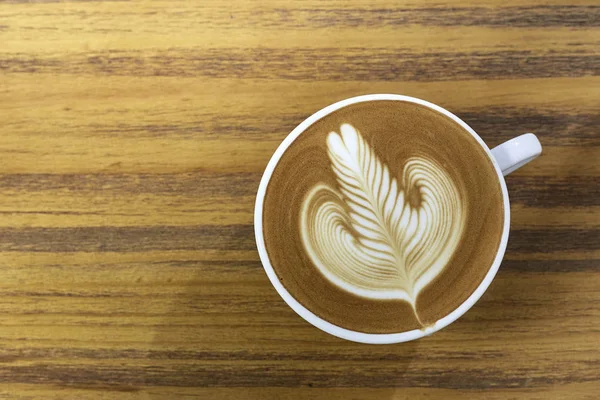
{"points": [[326, 326]]}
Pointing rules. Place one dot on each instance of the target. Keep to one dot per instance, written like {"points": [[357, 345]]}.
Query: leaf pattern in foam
{"points": [[365, 236]]}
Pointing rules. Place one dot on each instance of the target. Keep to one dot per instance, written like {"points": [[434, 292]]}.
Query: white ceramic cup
{"points": [[506, 158]]}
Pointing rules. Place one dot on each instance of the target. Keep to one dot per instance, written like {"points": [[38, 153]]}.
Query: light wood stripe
{"points": [[101, 392], [183, 98]]}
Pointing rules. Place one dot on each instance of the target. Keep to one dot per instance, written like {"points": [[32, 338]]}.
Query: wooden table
{"points": [[132, 139]]}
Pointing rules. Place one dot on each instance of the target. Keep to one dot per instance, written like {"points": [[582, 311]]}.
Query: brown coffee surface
{"points": [[396, 131]]}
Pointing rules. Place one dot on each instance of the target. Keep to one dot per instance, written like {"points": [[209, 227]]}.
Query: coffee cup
{"points": [[384, 207]]}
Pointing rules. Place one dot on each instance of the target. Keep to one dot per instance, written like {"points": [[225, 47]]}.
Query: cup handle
{"points": [[516, 152]]}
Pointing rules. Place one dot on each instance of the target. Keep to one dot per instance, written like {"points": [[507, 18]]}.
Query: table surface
{"points": [[132, 141]]}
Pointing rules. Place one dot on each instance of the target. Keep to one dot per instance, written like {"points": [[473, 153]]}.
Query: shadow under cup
{"points": [[396, 128]]}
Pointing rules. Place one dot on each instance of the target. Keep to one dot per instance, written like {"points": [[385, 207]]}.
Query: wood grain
{"points": [[133, 137]]}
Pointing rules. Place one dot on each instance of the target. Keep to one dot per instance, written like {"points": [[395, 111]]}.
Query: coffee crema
{"points": [[383, 216]]}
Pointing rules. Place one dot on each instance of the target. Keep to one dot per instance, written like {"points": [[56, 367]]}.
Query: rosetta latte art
{"points": [[366, 237]]}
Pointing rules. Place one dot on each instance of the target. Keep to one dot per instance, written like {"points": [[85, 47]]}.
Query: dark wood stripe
{"points": [[238, 268], [551, 266], [128, 239], [552, 240], [234, 237], [548, 191], [554, 127], [532, 191], [303, 18], [295, 374], [259, 300], [333, 354], [522, 17], [321, 64], [224, 267]]}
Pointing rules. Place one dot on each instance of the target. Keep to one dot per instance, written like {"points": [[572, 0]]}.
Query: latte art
{"points": [[368, 235], [382, 216]]}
